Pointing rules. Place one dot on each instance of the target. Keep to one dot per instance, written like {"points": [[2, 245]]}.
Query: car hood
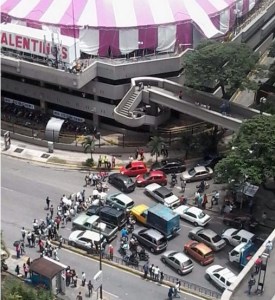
{"points": [[74, 235], [186, 175]]}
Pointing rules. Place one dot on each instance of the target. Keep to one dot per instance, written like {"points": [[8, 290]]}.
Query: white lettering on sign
{"points": [[67, 116], [31, 45], [19, 103]]}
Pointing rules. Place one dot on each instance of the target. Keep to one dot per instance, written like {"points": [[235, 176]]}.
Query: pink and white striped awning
{"points": [[119, 13]]}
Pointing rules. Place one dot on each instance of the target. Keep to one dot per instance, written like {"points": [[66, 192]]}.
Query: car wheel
{"points": [[196, 224], [201, 263], [191, 236], [207, 277], [179, 272], [185, 251], [163, 260], [152, 250], [73, 244], [227, 223]]}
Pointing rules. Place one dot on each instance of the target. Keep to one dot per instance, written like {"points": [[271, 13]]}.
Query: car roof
{"points": [[120, 176], [126, 199], [163, 191], [111, 211], [91, 235], [203, 248], [157, 172], [140, 208], [138, 163], [246, 234], [181, 256], [194, 210], [209, 232], [200, 169], [154, 233]]}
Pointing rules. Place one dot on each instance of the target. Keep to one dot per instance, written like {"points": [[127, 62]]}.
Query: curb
{"points": [[131, 270]]}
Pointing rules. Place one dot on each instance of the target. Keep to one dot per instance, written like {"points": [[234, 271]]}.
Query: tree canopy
{"points": [[252, 157], [227, 64], [156, 143], [89, 145]]}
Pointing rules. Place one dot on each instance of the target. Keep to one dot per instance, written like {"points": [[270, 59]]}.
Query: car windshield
{"points": [[192, 172], [128, 181], [161, 241], [201, 215], [187, 263], [164, 162], [130, 204], [209, 254], [80, 234], [216, 238], [146, 175], [168, 194], [128, 166]]}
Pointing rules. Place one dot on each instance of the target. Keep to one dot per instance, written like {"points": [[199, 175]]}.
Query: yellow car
{"points": [[139, 212]]}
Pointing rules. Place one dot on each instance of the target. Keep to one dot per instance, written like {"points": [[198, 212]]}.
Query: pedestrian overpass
{"points": [[151, 105]]}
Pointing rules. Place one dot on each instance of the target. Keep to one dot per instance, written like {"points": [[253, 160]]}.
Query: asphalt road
{"points": [[26, 186]]}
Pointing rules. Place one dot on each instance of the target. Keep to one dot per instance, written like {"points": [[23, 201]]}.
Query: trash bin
{"points": [[50, 147]]}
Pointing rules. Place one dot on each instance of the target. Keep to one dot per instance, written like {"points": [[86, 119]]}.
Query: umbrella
{"points": [[16, 243]]}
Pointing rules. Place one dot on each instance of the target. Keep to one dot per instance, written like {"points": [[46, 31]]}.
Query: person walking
{"points": [[151, 271], [113, 162], [258, 264], [26, 270], [99, 162], [51, 211], [111, 252], [17, 249], [251, 282], [170, 293], [17, 270], [22, 248], [79, 296], [145, 270], [83, 278], [177, 289], [90, 288], [204, 201], [23, 233], [55, 257], [48, 203], [268, 247]]}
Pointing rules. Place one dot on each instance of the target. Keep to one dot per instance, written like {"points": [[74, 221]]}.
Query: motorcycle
{"points": [[142, 255], [130, 260], [123, 248]]}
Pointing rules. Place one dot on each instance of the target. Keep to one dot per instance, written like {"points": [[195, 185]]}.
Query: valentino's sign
{"points": [[39, 42]]}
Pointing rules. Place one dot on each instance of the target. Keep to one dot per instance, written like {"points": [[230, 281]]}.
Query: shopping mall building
{"points": [[77, 59]]}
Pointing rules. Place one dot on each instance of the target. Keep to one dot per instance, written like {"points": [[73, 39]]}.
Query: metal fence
{"points": [[185, 285]]}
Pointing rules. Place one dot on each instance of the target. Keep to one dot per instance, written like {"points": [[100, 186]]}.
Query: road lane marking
{"points": [[183, 292], [5, 188]]}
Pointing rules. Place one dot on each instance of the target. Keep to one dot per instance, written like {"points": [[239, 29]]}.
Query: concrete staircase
{"points": [[126, 108]]}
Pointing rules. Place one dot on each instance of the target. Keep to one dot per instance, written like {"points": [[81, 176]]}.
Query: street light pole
{"points": [[100, 259]]}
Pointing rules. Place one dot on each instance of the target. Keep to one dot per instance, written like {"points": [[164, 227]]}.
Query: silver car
{"points": [[178, 261], [197, 174], [207, 236]]}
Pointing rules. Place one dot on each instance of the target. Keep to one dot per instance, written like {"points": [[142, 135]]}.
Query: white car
{"points": [[120, 201], [193, 215], [235, 236], [197, 174], [222, 277], [83, 239], [163, 195]]}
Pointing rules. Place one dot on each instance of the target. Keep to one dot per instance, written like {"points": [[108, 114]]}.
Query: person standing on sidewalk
{"points": [[90, 288], [23, 233], [145, 270], [51, 211], [111, 251], [79, 296], [17, 270], [251, 282], [113, 162], [83, 278], [48, 203]]}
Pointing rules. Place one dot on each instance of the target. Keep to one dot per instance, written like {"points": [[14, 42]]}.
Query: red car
{"points": [[151, 177], [134, 168]]}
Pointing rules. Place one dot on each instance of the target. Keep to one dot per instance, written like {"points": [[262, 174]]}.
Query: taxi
{"points": [[139, 212]]}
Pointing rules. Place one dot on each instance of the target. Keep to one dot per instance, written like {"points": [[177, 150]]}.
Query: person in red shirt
{"points": [[258, 264], [111, 251]]}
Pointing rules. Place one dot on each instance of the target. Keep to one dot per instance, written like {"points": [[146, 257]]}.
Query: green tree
{"points": [[252, 156], [14, 289], [227, 64], [155, 146], [189, 142], [89, 145]]}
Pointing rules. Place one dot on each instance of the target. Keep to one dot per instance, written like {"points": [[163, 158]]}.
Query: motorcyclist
{"points": [[201, 187]]}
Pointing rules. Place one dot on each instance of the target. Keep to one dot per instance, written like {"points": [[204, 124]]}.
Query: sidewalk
{"points": [[71, 292], [73, 160]]}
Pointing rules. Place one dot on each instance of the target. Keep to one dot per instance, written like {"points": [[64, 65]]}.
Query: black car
{"points": [[122, 182], [169, 165], [210, 161], [93, 210]]}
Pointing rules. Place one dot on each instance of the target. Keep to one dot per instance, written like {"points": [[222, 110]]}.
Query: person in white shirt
{"points": [[268, 247], [156, 271], [83, 278]]}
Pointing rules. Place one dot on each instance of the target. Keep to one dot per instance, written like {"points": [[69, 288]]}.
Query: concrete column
{"points": [[96, 117], [43, 106]]}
